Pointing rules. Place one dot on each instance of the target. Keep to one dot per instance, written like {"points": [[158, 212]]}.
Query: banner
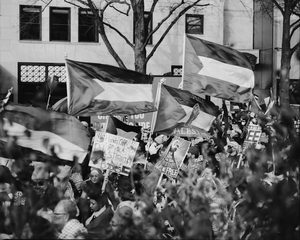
{"points": [[173, 157], [113, 153], [253, 136]]}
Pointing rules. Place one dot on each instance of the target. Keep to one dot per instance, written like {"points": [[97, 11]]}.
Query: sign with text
{"points": [[253, 136], [113, 152], [173, 157]]}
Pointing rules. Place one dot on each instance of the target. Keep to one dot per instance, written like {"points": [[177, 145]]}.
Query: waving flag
{"points": [[97, 89], [35, 127], [61, 105], [117, 127], [5, 100], [180, 109], [215, 70]]}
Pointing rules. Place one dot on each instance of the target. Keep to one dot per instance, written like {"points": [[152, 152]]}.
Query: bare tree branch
{"points": [[99, 16], [46, 5], [294, 27], [278, 6], [295, 23], [170, 26], [153, 6], [74, 4], [109, 3], [121, 35], [293, 49], [162, 21]]}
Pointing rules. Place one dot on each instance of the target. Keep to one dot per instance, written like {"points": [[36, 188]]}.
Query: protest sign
{"points": [[113, 153], [173, 157], [253, 136]]}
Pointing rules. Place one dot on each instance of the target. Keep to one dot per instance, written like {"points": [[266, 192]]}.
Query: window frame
{"points": [[94, 25], [51, 24], [201, 25], [21, 25]]}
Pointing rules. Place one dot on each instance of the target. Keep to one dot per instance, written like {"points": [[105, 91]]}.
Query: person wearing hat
{"points": [[94, 185]]}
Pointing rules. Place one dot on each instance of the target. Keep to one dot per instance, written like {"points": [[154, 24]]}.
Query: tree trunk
{"points": [[285, 59], [139, 50]]}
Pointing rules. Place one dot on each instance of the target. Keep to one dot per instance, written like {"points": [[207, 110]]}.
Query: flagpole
{"points": [[68, 85], [49, 96], [157, 99], [106, 123], [5, 100], [105, 180], [154, 115], [107, 170], [183, 57]]}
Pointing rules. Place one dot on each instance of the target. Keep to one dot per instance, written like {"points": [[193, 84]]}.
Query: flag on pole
{"points": [[98, 89], [61, 105], [179, 108], [34, 127], [215, 70], [4, 101], [117, 127]]}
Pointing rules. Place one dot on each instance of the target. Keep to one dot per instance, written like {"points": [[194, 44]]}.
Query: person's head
{"points": [[97, 201], [204, 148], [193, 152], [40, 177], [62, 177], [64, 211], [96, 175], [175, 145], [121, 219]]}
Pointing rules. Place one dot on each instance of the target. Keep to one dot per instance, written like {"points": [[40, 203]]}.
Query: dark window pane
{"points": [[194, 24], [59, 32], [30, 23], [59, 24], [87, 26]]}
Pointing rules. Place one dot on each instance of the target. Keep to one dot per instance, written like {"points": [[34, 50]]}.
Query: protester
{"points": [[97, 224], [217, 185], [65, 221], [95, 184]]}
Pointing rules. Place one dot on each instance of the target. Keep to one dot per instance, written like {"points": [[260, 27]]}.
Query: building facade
{"points": [[37, 36]]}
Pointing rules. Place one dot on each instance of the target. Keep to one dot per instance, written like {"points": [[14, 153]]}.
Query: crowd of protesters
{"points": [[219, 181]]}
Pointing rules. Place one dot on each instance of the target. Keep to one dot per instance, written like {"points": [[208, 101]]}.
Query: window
{"points": [[30, 23], [87, 31], [59, 24], [194, 24], [294, 91], [32, 83], [148, 27]]}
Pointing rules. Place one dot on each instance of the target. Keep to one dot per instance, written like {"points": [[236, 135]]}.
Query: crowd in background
{"points": [[219, 181]]}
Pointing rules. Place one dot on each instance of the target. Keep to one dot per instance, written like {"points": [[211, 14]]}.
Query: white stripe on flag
{"points": [[36, 141], [125, 92], [227, 72]]}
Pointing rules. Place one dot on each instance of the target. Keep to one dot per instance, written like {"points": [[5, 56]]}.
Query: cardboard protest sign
{"points": [[173, 157], [113, 152], [253, 136]]}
